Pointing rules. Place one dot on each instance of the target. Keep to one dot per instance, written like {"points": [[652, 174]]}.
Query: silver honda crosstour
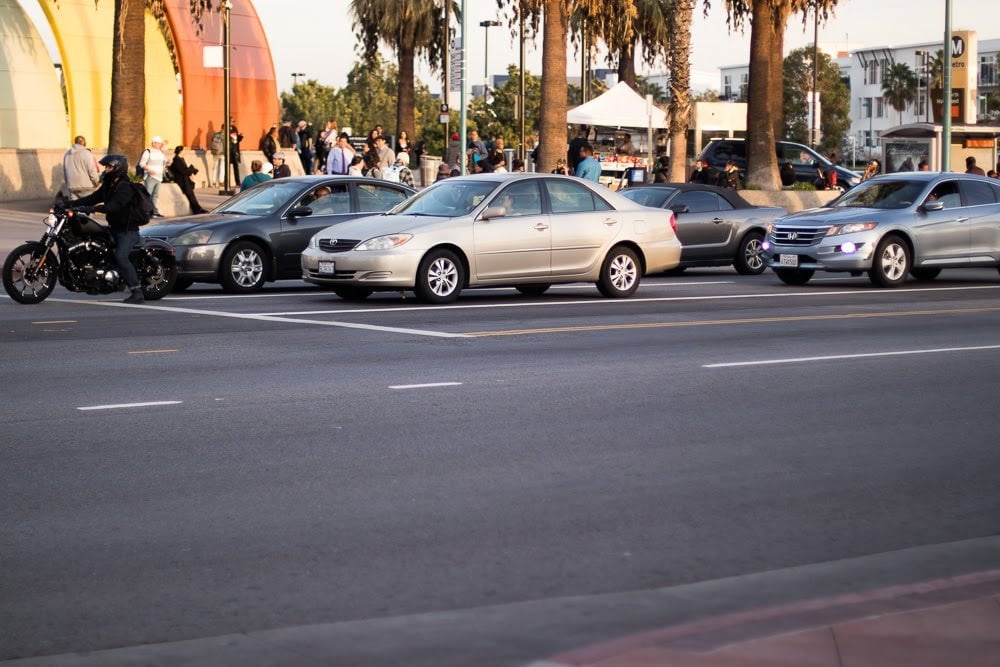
{"points": [[524, 230]]}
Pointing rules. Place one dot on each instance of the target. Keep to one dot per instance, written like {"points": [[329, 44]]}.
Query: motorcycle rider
{"points": [[114, 199]]}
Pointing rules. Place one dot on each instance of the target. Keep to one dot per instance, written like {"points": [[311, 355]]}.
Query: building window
{"points": [[921, 109], [727, 87], [988, 69], [867, 135], [867, 107], [879, 107]]}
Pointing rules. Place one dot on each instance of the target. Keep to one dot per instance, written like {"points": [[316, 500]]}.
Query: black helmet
{"points": [[118, 164]]}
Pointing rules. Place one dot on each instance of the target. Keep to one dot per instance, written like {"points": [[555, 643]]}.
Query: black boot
{"points": [[135, 296]]}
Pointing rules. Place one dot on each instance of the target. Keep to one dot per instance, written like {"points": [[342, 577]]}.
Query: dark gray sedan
{"points": [[259, 234], [716, 226], [892, 226]]}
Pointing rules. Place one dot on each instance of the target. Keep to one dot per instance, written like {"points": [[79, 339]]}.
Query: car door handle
{"points": [[541, 226], [961, 219], [717, 220], [610, 221]]}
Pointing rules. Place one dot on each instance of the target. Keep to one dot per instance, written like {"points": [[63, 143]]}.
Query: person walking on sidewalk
{"points": [[114, 200], [153, 163], [182, 172], [80, 172]]}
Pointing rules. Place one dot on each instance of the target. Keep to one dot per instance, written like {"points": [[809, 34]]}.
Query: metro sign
{"points": [[957, 47]]}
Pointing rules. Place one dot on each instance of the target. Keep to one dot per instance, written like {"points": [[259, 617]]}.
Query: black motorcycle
{"points": [[79, 252]]}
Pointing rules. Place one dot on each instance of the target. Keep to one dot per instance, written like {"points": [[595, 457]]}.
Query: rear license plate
{"points": [[784, 260], [327, 267]]}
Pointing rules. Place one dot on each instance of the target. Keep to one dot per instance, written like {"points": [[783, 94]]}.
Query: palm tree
{"points": [[128, 79], [765, 121], [410, 28], [679, 30], [899, 87]]}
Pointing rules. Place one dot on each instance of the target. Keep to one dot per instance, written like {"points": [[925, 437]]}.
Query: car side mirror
{"points": [[936, 205], [680, 208], [300, 212], [494, 212]]}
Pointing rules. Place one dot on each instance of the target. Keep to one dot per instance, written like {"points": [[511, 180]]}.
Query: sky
{"points": [[315, 37]]}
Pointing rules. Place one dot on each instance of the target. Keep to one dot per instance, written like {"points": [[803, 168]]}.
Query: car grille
{"points": [[797, 236], [337, 245]]}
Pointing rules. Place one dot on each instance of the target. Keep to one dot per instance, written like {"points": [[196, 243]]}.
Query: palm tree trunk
{"points": [[405, 99], [762, 161], [777, 78], [128, 80], [679, 30], [626, 64], [552, 123]]}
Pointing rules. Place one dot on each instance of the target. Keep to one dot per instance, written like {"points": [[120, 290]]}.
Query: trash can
{"points": [[508, 156], [429, 169]]}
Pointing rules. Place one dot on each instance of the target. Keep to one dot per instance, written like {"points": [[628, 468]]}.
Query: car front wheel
{"points": [[620, 273], [243, 268], [891, 262], [439, 278], [750, 255]]}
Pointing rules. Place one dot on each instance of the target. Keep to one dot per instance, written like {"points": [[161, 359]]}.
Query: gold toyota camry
{"points": [[525, 230]]}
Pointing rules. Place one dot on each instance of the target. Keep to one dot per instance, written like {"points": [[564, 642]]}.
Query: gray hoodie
{"points": [[80, 169]]}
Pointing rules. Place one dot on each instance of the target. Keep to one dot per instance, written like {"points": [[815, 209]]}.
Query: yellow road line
{"points": [[150, 351], [748, 320], [57, 322]]}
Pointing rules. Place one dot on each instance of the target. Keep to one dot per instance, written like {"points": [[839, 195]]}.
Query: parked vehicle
{"points": [[525, 230], [79, 253], [716, 226], [804, 160], [258, 235], [908, 223]]}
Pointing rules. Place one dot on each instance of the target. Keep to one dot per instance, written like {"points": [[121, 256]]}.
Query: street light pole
{"points": [[463, 113], [521, 149], [486, 25], [946, 97], [295, 78], [813, 117], [227, 6]]}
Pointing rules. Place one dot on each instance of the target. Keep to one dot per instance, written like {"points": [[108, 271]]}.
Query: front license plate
{"points": [[327, 267], [784, 260]]}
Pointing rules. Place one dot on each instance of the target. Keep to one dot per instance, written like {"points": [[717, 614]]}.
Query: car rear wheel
{"points": [[533, 289], [620, 273], [925, 274], [750, 255], [352, 293], [439, 278], [891, 262], [243, 268], [794, 276]]}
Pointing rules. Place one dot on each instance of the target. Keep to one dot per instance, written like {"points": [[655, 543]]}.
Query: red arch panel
{"points": [[253, 88]]}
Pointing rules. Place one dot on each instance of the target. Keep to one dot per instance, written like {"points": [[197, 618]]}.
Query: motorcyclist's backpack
{"points": [[140, 210], [392, 174]]}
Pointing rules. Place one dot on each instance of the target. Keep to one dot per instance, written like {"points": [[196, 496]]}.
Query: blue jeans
{"points": [[153, 188], [124, 242]]}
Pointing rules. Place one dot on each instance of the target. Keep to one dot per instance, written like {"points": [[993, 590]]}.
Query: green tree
{"points": [[314, 103], [835, 99], [411, 28], [679, 63], [899, 87], [500, 116]]}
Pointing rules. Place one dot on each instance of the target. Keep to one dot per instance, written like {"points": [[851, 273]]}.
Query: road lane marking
{"points": [[425, 386], [119, 406], [599, 301], [746, 320], [150, 351], [865, 355], [57, 322], [269, 318]]}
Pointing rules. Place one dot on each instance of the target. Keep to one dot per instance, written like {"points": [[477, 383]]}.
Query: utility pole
{"points": [[464, 113], [522, 149], [227, 6], [813, 116], [946, 96], [446, 92]]}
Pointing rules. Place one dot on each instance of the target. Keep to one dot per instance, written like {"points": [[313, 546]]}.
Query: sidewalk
{"points": [[941, 623]]}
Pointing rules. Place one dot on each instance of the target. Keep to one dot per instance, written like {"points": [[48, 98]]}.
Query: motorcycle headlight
{"points": [[384, 242], [51, 220], [850, 228], [194, 237]]}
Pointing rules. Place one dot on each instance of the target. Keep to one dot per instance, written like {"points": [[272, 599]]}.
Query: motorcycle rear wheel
{"points": [[157, 278], [22, 279]]}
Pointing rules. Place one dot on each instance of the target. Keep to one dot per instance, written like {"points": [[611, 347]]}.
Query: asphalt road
{"points": [[208, 465]]}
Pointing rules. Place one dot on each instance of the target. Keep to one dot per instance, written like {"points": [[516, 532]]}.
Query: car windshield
{"points": [[890, 194], [448, 199], [649, 196], [263, 200]]}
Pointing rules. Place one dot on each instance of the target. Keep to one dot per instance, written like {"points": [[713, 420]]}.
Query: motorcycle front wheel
{"points": [[157, 277], [23, 280]]}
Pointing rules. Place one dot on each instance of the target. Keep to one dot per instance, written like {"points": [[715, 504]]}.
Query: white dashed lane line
{"points": [[835, 357], [425, 386], [120, 406]]}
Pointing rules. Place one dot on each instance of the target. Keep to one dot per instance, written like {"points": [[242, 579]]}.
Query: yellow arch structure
{"points": [[83, 31], [32, 114]]}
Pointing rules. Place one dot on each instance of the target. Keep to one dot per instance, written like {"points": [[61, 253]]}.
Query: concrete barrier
{"points": [[790, 200]]}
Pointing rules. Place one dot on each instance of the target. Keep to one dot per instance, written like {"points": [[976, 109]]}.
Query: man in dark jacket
{"points": [[114, 200]]}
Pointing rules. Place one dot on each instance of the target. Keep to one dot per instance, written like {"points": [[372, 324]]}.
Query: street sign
{"points": [[455, 71], [444, 113]]}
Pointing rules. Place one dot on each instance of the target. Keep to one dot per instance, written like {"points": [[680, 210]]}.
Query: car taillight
{"points": [[673, 222]]}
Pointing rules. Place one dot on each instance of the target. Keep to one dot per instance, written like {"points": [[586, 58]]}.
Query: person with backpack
{"points": [[152, 167], [126, 208], [399, 172]]}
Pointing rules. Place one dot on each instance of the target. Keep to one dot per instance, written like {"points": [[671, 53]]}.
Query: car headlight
{"points": [[386, 242], [194, 237], [850, 228]]}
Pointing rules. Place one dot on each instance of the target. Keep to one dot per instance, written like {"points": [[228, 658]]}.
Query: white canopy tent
{"points": [[619, 106]]}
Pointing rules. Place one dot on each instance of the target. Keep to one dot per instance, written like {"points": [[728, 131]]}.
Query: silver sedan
{"points": [[525, 230], [892, 226]]}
